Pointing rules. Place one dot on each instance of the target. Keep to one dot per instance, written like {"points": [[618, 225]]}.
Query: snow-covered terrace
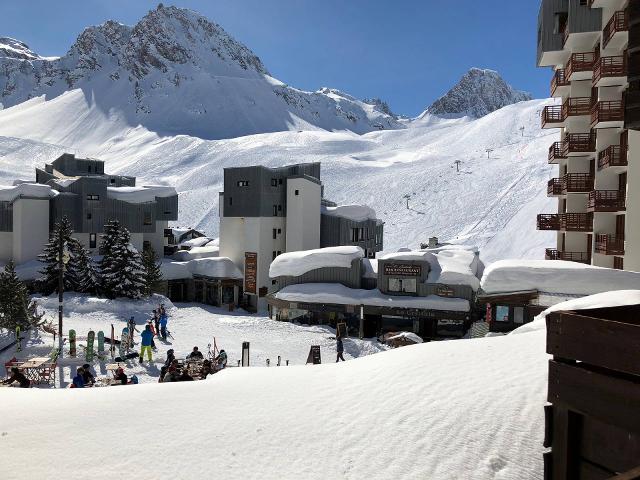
{"points": [[294, 264], [143, 194], [213, 267], [30, 190]]}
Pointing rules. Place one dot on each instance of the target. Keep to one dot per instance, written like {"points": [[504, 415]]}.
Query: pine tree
{"points": [[82, 272], [121, 269], [152, 272], [49, 281], [16, 309]]}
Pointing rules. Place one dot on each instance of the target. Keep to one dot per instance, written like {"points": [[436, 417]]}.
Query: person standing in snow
{"points": [[153, 334], [339, 349], [146, 339], [78, 380], [156, 322], [163, 324], [132, 328]]}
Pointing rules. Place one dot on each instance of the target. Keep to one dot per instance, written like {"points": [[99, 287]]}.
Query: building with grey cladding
{"points": [[265, 212], [79, 190]]}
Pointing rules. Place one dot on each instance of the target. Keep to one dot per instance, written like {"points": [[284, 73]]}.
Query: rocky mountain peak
{"points": [[478, 93], [12, 48]]}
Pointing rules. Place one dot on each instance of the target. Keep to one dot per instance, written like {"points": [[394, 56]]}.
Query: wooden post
{"points": [[361, 331]]}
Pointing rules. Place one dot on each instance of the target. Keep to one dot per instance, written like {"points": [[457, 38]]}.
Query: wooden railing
{"points": [[610, 67], [619, 22], [610, 244], [553, 254], [578, 143], [559, 79], [570, 222], [607, 111], [576, 106], [552, 114], [548, 221], [555, 186], [577, 183], [555, 152], [606, 200], [580, 62], [612, 156]]}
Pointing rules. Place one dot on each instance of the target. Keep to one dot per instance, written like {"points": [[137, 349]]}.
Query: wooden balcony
{"points": [[559, 80], [554, 116], [580, 66], [613, 156], [610, 71], [555, 187], [606, 201], [570, 183], [580, 257], [607, 114], [610, 244], [566, 222], [578, 144], [618, 23], [555, 152]]}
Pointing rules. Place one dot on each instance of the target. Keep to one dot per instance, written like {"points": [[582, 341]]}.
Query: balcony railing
{"points": [[552, 114], [555, 187], [572, 106], [608, 67], [607, 201], [578, 143], [612, 156], [580, 62], [619, 22], [559, 79], [553, 254], [577, 183], [610, 244], [568, 222], [555, 152], [607, 111]]}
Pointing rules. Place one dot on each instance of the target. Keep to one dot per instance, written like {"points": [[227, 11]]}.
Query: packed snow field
{"points": [[441, 410]]}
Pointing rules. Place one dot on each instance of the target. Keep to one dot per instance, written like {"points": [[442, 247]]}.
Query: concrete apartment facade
{"points": [[80, 190], [265, 212], [593, 46]]}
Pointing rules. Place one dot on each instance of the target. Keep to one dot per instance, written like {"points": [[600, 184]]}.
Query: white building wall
{"points": [[632, 222], [303, 214], [30, 228], [156, 238], [6, 246]]}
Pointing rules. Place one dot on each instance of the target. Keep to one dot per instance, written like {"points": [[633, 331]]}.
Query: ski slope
{"points": [[490, 202]]}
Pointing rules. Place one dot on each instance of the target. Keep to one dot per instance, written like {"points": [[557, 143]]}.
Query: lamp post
{"points": [[63, 259]]}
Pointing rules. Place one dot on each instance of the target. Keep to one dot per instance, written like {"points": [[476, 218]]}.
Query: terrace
{"points": [[607, 201], [613, 156], [610, 71], [610, 244], [566, 222], [580, 257]]}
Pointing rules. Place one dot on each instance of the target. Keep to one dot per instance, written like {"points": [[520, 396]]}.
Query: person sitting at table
{"points": [[195, 354], [184, 376], [206, 369], [221, 360], [121, 376], [87, 376], [17, 376], [167, 363], [172, 374], [78, 380]]}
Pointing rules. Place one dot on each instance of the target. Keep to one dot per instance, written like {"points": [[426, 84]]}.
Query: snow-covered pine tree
{"points": [[122, 271], [109, 239], [15, 305], [152, 272], [48, 283], [82, 272]]}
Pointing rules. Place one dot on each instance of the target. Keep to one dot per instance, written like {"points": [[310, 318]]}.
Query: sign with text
{"points": [[402, 270], [250, 271]]}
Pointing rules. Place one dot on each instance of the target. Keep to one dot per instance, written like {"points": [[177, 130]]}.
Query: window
{"points": [[146, 245], [113, 180], [243, 183], [274, 255], [275, 233], [88, 216], [93, 197], [279, 231], [275, 210], [274, 182], [297, 192], [147, 218], [92, 240], [279, 208], [502, 313], [273, 282], [404, 285], [518, 314], [357, 234], [89, 167], [279, 181], [279, 252], [230, 201]]}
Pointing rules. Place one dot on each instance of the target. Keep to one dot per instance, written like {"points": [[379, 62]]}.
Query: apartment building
{"points": [[592, 47], [80, 190], [265, 212]]}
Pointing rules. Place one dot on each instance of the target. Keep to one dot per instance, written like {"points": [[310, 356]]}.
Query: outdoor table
{"points": [[113, 367], [32, 369]]}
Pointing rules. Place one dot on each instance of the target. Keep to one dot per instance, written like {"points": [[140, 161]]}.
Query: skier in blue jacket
{"points": [[163, 325], [145, 342]]}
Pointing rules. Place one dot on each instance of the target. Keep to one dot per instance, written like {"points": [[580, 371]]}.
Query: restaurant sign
{"points": [[402, 270], [250, 271]]}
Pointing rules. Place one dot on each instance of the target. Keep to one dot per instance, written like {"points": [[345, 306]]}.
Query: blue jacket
{"points": [[147, 337], [163, 321], [78, 381]]}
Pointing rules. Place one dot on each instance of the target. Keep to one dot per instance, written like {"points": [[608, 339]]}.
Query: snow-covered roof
{"points": [[338, 294], [294, 264], [406, 336], [196, 242], [197, 252], [214, 267], [144, 194], [32, 190], [555, 276], [357, 213], [414, 255], [370, 268]]}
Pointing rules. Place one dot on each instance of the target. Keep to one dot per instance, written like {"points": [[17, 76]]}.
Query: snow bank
{"points": [[406, 336], [83, 303], [555, 276], [357, 213], [338, 294], [196, 242], [144, 194], [213, 267], [33, 190], [370, 268], [294, 264], [197, 252], [405, 254]]}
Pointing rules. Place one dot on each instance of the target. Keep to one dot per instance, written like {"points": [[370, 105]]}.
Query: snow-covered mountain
{"points": [[478, 93], [176, 72]]}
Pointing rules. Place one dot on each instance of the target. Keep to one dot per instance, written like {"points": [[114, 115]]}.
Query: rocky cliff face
{"points": [[176, 72], [478, 93]]}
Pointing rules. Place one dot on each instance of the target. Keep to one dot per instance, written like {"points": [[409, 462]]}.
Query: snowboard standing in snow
{"points": [[72, 343], [112, 345], [124, 342], [101, 344], [18, 340], [90, 339]]}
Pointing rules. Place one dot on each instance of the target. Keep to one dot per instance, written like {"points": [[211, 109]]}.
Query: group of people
{"points": [[172, 371], [84, 377], [156, 327]]}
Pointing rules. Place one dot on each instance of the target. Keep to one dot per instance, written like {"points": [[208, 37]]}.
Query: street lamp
{"points": [[63, 259]]}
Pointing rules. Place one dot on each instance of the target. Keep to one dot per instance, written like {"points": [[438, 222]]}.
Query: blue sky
{"points": [[407, 52]]}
